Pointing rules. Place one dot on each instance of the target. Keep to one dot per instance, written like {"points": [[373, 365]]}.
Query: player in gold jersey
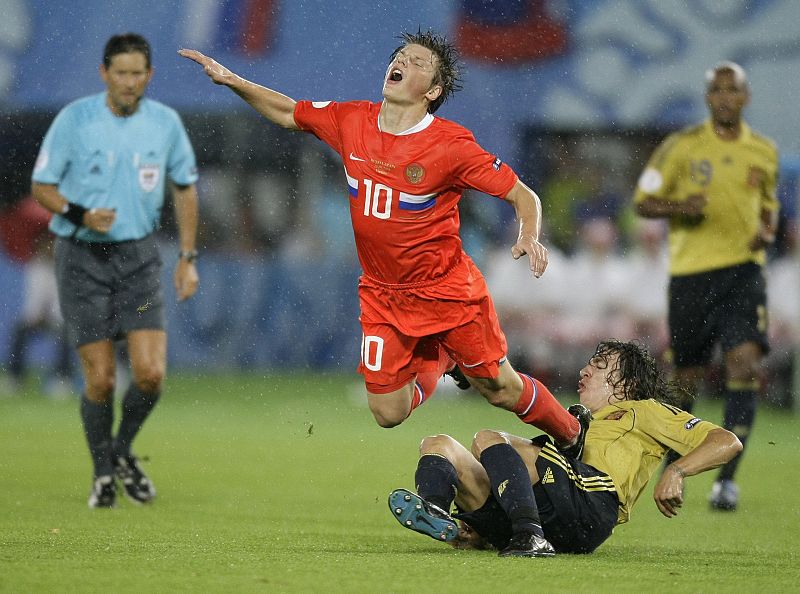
{"points": [[715, 184], [527, 499]]}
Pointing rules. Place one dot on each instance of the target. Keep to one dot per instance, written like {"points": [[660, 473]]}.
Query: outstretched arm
{"points": [[529, 214], [719, 446], [274, 106]]}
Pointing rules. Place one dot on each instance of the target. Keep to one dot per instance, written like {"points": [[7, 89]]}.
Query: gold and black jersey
{"points": [[737, 177], [628, 440]]}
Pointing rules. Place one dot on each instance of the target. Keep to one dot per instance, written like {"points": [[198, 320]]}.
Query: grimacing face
{"points": [[595, 387], [126, 79], [410, 75]]}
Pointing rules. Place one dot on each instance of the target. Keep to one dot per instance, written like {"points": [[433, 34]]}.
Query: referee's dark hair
{"points": [[126, 43], [638, 376]]}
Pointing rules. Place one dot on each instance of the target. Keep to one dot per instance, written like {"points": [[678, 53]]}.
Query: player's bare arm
{"points": [[186, 278], [719, 446], [765, 236], [689, 211], [529, 214], [274, 106], [96, 219]]}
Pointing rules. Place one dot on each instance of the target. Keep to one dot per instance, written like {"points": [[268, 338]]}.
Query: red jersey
{"points": [[404, 188]]}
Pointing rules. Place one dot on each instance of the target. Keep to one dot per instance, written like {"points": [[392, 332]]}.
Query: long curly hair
{"points": [[448, 63], [635, 375]]}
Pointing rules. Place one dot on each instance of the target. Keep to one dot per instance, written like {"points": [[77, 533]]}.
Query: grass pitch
{"points": [[279, 484]]}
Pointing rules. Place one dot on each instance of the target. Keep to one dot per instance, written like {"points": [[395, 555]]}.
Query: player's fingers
{"points": [[193, 55], [537, 265], [665, 509], [517, 252]]}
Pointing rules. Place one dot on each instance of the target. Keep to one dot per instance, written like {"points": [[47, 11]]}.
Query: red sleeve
{"points": [[321, 118], [475, 168]]}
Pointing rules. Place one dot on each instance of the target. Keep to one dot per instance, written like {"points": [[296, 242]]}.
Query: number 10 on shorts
{"points": [[372, 352]]}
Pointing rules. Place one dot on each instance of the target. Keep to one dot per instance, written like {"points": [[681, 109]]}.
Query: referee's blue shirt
{"points": [[100, 160]]}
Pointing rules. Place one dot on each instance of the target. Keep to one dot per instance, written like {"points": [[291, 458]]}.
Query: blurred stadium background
{"points": [[573, 94]]}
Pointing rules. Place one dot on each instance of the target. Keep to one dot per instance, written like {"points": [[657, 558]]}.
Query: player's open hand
{"points": [[668, 493], [215, 71], [537, 254]]}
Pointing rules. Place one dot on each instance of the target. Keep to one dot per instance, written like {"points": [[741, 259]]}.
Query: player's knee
{"points": [[435, 443], [387, 419], [486, 438], [496, 396], [500, 391]]}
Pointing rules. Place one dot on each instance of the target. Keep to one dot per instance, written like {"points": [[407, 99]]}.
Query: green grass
{"points": [[279, 484]]}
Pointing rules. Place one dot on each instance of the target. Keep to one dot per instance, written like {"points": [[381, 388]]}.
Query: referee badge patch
{"points": [[149, 176]]}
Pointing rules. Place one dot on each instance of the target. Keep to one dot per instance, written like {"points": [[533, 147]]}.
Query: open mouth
{"points": [[396, 75]]}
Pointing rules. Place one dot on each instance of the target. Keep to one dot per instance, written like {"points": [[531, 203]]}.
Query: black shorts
{"points": [[726, 306], [108, 289], [577, 505]]}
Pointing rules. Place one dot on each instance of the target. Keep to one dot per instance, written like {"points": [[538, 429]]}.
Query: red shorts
{"points": [[404, 329]]}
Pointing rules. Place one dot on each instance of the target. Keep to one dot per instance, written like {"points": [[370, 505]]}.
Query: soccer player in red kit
{"points": [[424, 304]]}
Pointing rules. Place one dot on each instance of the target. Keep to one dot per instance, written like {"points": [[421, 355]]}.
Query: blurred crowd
{"points": [[281, 197]]}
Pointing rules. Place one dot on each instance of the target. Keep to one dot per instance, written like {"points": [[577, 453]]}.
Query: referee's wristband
{"points": [[189, 256], [74, 213]]}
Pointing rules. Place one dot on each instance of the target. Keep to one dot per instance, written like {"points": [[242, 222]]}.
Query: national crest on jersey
{"points": [[404, 188]]}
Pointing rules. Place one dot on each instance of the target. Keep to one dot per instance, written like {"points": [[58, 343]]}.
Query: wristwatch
{"points": [[189, 256]]}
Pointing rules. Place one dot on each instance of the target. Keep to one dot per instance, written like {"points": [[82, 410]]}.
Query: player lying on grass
{"points": [[424, 304], [527, 499]]}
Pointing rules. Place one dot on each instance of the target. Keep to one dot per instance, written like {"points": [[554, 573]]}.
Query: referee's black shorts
{"points": [[726, 306], [109, 289], [577, 505]]}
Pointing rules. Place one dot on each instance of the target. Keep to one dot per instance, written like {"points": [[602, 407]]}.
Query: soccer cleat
{"points": [[459, 378], [137, 486], [724, 495], [104, 493], [527, 544], [413, 512], [584, 416]]}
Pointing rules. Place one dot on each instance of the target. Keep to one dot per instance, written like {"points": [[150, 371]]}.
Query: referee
{"points": [[102, 170], [715, 183]]}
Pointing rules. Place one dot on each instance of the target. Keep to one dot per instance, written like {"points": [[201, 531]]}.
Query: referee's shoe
{"points": [[103, 493], [138, 487]]}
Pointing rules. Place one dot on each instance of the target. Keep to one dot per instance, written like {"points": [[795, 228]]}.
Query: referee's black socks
{"points": [[97, 420], [136, 407]]}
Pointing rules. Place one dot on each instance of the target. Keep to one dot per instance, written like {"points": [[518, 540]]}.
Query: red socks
{"points": [[426, 382], [538, 407]]}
